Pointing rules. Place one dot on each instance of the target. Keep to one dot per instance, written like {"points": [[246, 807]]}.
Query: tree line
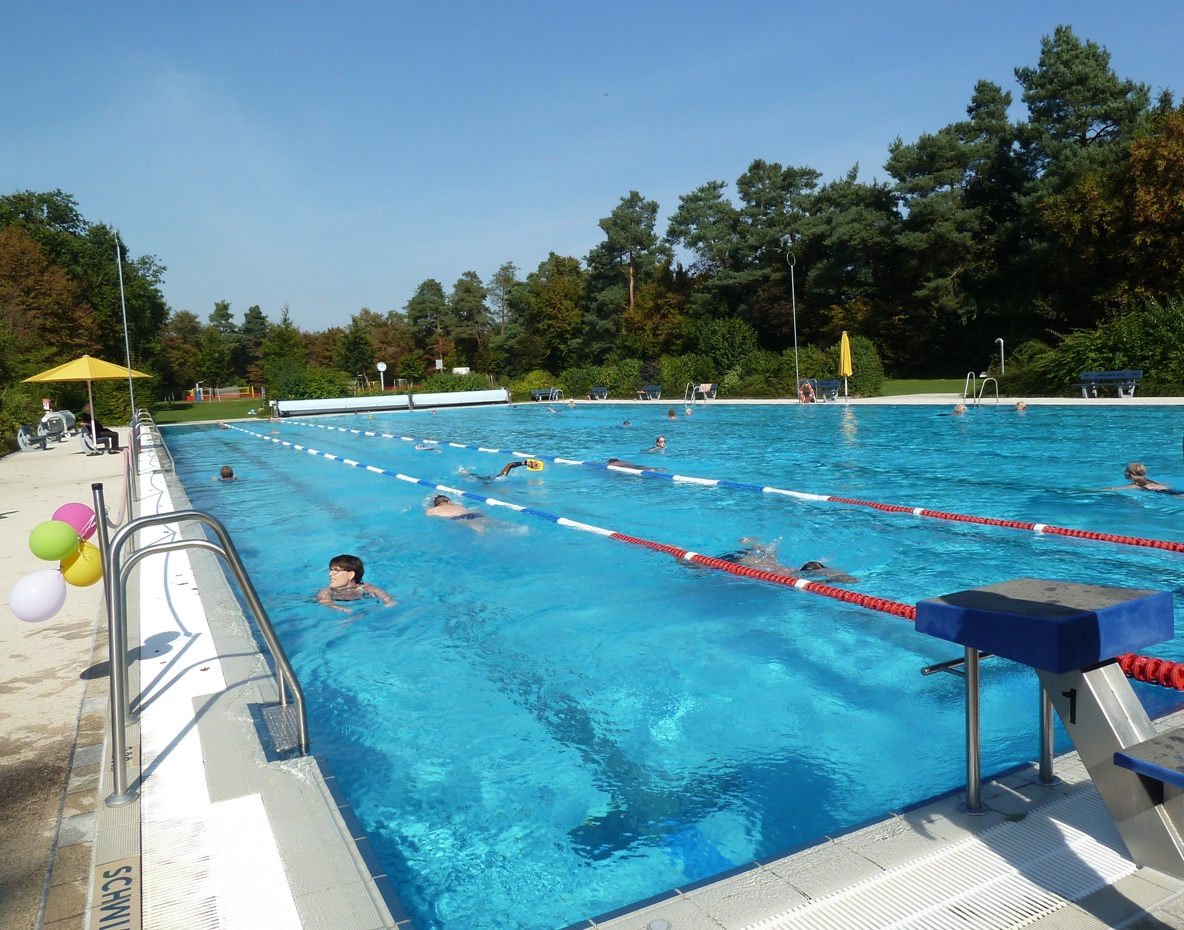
{"points": [[1039, 231]]}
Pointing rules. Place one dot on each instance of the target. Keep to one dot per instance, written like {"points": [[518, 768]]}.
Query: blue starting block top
{"points": [[1057, 626]]}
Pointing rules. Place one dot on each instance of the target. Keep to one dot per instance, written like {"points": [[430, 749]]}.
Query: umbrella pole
{"points": [[94, 435]]}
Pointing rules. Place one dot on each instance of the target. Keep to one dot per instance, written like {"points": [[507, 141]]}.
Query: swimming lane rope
{"points": [[883, 605], [1142, 668], [1044, 528]]}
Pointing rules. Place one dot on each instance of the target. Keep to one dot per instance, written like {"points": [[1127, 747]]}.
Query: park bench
{"points": [[650, 392], [551, 393], [827, 390], [1124, 382], [706, 391], [598, 393]]}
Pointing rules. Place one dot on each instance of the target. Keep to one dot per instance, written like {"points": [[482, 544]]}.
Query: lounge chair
{"points": [[28, 440], [650, 392]]}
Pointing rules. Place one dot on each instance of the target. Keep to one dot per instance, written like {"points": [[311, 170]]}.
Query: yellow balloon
{"points": [[84, 567]]}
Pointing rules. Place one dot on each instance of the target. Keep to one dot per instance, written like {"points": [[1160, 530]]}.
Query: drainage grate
{"points": [[1006, 877]]}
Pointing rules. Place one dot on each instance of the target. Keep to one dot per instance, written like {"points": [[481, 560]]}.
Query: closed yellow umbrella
{"points": [[845, 369], [88, 369]]}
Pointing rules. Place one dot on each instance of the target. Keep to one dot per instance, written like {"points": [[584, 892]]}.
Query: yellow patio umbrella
{"points": [[89, 370], [845, 369]]}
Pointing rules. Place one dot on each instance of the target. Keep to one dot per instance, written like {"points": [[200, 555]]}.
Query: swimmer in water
{"points": [[442, 506], [345, 584], [505, 471], [763, 556], [1136, 474], [621, 463]]}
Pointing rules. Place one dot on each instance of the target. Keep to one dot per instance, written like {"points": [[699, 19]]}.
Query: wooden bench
{"points": [[598, 393], [828, 390], [650, 392], [1124, 382], [552, 393]]}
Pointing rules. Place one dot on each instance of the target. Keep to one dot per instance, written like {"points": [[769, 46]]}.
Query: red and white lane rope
{"points": [[1042, 528]]}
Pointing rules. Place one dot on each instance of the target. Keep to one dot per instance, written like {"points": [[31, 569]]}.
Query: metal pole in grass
{"points": [[791, 260]]}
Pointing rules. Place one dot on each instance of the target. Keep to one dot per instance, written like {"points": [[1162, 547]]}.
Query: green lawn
{"points": [[188, 412], [919, 386]]}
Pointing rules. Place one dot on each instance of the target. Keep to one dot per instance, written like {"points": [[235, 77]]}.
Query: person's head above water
{"points": [[441, 499], [1136, 471], [345, 569], [226, 472]]}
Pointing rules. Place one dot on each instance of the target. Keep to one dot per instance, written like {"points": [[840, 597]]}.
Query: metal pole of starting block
{"points": [[1047, 775], [974, 801]]}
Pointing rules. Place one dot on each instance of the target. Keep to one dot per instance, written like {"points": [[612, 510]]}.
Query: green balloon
{"points": [[53, 540]]}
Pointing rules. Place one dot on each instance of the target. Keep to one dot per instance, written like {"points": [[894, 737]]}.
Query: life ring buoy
{"points": [[806, 393]]}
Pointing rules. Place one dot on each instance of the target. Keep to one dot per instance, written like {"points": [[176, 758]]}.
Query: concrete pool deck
{"points": [[54, 775]]}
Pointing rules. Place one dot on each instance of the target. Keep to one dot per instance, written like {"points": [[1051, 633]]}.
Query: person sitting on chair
{"points": [[98, 431]]}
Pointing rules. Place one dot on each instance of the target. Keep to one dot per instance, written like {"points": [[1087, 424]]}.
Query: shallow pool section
{"points": [[552, 724]]}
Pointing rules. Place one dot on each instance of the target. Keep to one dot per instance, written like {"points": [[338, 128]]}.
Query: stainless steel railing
{"points": [[117, 569]]}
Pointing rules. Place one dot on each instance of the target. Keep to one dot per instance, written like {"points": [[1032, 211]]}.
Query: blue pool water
{"points": [[552, 724]]}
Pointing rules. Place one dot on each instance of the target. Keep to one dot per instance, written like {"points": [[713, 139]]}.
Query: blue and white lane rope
{"points": [[895, 608], [1041, 528], [642, 470]]}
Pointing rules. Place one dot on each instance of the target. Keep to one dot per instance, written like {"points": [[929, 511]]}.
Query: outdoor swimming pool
{"points": [[552, 724]]}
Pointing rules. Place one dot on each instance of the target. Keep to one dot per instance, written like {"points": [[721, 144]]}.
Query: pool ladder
{"points": [[969, 389], [115, 577]]}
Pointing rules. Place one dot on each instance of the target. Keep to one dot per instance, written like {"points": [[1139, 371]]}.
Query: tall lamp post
{"points": [[1002, 369], [127, 348], [791, 260]]}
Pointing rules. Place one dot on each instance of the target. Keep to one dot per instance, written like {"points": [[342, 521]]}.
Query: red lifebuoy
{"points": [[806, 393]]}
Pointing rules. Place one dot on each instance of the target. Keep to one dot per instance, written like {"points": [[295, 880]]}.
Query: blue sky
{"points": [[332, 157]]}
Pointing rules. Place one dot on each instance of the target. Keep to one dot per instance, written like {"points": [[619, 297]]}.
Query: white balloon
{"points": [[38, 596]]}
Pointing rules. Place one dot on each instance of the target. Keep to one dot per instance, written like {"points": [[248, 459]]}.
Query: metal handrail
{"points": [[969, 389], [983, 389], [116, 577]]}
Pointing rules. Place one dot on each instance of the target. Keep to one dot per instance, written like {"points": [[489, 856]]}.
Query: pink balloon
{"points": [[79, 516], [38, 596]]}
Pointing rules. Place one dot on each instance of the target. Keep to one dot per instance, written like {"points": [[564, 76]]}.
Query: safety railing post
{"points": [[116, 662]]}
